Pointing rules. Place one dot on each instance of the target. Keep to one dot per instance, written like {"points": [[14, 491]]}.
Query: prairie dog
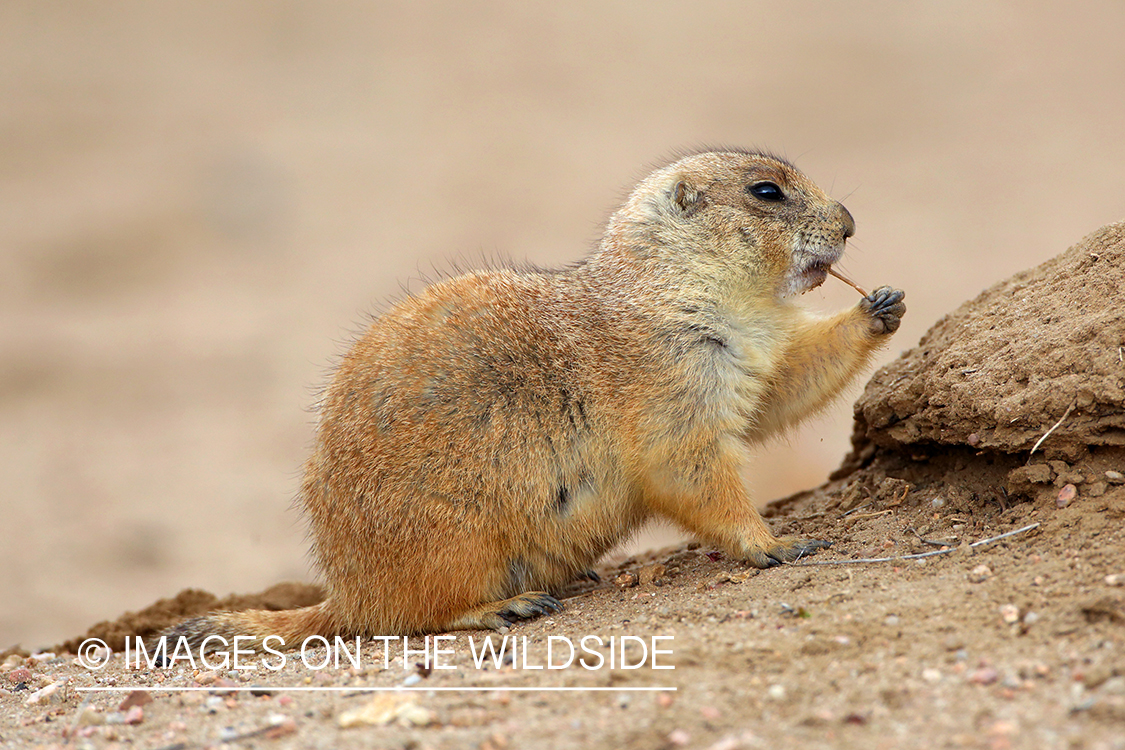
{"points": [[487, 440]]}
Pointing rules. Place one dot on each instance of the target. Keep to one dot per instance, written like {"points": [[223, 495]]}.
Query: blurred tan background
{"points": [[199, 203]]}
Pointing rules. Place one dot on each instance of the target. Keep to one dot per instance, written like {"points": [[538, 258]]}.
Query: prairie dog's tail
{"points": [[254, 628]]}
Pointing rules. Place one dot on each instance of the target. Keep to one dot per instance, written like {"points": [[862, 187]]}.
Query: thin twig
{"points": [[924, 540], [847, 281], [1053, 428], [920, 554], [856, 509], [870, 515]]}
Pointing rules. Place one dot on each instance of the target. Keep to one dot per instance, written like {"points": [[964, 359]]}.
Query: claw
{"points": [[787, 550]]}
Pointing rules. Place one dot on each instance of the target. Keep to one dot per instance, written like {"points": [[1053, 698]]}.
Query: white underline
{"points": [[266, 688]]}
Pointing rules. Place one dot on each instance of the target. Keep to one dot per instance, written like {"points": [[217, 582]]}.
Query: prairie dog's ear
{"points": [[686, 199]]}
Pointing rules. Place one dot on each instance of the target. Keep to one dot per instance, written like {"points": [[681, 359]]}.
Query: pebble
{"points": [[280, 725], [20, 674], [679, 737], [1009, 613], [1115, 579], [1115, 477], [626, 580], [43, 656], [135, 698], [1114, 686], [974, 439], [91, 717], [213, 704], [206, 678], [1066, 496], [1002, 728], [193, 698], [710, 713], [984, 676], [135, 715], [385, 709], [654, 573], [414, 715], [45, 695], [980, 573], [931, 675], [776, 692]]}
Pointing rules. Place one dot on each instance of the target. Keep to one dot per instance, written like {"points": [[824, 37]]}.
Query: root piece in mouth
{"points": [[847, 281]]}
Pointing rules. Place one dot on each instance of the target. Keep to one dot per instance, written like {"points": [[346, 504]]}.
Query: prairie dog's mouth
{"points": [[810, 268]]}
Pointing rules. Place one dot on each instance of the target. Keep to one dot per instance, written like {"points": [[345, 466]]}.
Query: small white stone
{"points": [[91, 717], [1009, 613], [413, 715], [45, 695], [980, 573], [776, 692]]}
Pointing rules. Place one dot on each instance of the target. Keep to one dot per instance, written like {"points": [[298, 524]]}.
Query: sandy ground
{"points": [[199, 204]]}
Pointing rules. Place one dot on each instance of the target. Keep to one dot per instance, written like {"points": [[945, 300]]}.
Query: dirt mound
{"points": [[189, 603], [1000, 370]]}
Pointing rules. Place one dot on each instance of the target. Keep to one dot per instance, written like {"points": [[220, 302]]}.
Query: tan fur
{"points": [[490, 438]]}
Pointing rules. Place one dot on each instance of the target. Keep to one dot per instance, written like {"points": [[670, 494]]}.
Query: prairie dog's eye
{"points": [[766, 191]]}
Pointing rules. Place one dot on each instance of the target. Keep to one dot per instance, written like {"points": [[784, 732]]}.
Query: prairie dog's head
{"points": [[750, 216]]}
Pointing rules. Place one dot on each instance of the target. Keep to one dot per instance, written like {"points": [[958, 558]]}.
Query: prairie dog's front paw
{"points": [[885, 307]]}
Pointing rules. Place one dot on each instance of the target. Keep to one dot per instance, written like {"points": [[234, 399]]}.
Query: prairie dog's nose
{"points": [[849, 222]]}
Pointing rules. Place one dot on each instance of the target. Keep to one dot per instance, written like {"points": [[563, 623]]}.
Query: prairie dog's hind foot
{"points": [[786, 549], [500, 614]]}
